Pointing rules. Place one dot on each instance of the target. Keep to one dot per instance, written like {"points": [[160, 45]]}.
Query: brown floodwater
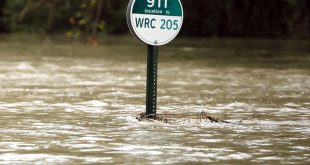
{"points": [[64, 102]]}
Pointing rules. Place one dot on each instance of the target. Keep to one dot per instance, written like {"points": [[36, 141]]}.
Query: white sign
{"points": [[155, 22]]}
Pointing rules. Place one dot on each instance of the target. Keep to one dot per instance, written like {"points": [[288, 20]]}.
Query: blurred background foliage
{"points": [[203, 18]]}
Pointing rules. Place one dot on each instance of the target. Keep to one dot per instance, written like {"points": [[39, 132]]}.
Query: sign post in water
{"points": [[156, 23]]}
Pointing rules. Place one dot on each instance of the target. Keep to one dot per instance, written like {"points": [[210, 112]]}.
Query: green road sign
{"points": [[155, 22]]}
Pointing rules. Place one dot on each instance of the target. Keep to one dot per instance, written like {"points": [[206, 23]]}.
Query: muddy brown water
{"points": [[71, 103]]}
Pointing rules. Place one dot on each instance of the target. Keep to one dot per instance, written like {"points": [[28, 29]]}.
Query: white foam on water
{"points": [[292, 105], [269, 158], [212, 140], [236, 156], [90, 138], [11, 158], [13, 146], [95, 160], [138, 149], [18, 104], [60, 105], [70, 110], [95, 103], [82, 68], [25, 66], [287, 110], [301, 148]]}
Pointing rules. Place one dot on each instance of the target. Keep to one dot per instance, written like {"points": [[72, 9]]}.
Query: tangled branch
{"points": [[200, 117]]}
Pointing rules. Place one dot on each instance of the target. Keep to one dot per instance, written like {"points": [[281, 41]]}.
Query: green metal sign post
{"points": [[151, 82], [156, 23]]}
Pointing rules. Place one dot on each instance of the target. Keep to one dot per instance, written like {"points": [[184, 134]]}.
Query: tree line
{"points": [[215, 18]]}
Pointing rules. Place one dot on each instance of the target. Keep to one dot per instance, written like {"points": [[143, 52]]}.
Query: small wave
{"points": [[25, 66], [95, 103], [292, 105]]}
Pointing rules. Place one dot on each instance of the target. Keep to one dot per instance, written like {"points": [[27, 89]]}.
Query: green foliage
{"points": [[2, 17], [246, 18], [217, 18], [83, 19], [33, 15], [75, 17]]}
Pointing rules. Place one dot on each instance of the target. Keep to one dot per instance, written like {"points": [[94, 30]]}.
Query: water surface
{"points": [[71, 103]]}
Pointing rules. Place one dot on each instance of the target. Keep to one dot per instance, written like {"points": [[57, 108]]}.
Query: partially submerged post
{"points": [[151, 84], [156, 23]]}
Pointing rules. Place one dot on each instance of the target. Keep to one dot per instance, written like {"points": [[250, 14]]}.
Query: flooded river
{"points": [[71, 103]]}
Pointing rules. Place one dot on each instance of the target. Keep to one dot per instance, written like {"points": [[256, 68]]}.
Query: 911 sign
{"points": [[155, 22]]}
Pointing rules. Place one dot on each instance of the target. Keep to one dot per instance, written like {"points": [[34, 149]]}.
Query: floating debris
{"points": [[255, 115], [151, 117], [198, 118]]}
